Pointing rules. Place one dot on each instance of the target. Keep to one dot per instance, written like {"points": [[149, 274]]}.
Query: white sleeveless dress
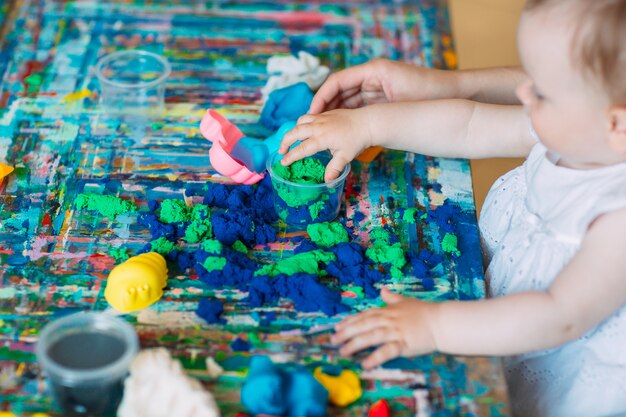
{"points": [[532, 224]]}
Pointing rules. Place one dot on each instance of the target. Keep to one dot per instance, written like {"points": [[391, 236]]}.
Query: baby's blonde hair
{"points": [[599, 42]]}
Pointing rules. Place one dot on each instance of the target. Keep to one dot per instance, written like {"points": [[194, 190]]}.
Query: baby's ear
{"points": [[617, 129]]}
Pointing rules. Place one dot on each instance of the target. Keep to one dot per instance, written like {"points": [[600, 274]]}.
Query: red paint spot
{"points": [[193, 277], [297, 20], [47, 221], [383, 221], [350, 193], [382, 198], [348, 294], [379, 409]]}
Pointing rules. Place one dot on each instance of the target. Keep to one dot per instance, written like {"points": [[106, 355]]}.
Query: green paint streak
{"points": [[7, 354], [162, 246], [107, 205], [34, 80], [307, 262], [409, 215], [214, 263], [449, 244], [327, 234], [255, 340], [120, 254]]}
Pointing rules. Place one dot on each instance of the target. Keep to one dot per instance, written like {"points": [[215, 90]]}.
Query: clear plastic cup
{"points": [[301, 204], [86, 357], [132, 82]]}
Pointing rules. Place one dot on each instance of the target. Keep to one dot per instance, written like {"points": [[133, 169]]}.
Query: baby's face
{"points": [[568, 112]]}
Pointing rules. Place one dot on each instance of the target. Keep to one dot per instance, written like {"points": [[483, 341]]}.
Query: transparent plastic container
{"points": [[86, 357], [132, 82], [301, 204]]}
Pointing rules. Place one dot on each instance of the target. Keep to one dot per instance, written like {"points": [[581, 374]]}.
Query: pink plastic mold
{"points": [[224, 135]]}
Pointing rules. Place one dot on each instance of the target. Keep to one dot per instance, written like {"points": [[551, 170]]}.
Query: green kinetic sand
{"points": [[449, 244], [310, 200], [212, 246], [327, 234], [213, 263], [384, 252], [200, 227], [162, 246], [304, 171], [308, 171], [306, 262], [240, 247], [174, 211], [107, 205]]}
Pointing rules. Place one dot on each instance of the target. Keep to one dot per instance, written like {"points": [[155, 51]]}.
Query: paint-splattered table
{"points": [[55, 259]]}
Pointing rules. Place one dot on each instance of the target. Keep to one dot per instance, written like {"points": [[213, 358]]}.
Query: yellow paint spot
{"points": [[77, 95], [20, 369], [450, 57], [433, 173], [436, 199], [5, 170]]}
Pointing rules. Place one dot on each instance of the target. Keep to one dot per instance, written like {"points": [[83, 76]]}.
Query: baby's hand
{"points": [[345, 133], [400, 329]]}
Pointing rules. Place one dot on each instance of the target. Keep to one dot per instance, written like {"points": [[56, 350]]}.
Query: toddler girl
{"points": [[553, 230]]}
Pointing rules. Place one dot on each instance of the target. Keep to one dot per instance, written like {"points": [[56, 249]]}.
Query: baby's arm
{"points": [[447, 128], [588, 290]]}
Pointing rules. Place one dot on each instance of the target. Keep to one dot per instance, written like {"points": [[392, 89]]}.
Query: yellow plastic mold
{"points": [[343, 389], [136, 283]]}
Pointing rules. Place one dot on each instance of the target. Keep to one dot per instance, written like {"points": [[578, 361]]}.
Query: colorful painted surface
{"points": [[54, 259]]}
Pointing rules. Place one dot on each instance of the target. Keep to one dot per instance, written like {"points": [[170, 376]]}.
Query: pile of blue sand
{"points": [[243, 216]]}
